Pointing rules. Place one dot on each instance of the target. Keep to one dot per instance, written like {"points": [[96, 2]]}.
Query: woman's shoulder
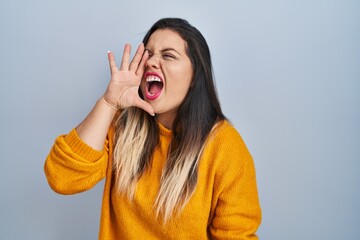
{"points": [[225, 132], [226, 154], [225, 140]]}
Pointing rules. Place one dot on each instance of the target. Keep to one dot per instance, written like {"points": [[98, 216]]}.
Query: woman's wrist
{"points": [[112, 106]]}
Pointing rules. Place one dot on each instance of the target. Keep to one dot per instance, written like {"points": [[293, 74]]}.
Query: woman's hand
{"points": [[122, 91]]}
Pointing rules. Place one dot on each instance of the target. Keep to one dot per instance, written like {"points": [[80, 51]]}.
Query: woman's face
{"points": [[168, 74]]}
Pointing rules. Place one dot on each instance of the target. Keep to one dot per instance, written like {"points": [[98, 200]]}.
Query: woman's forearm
{"points": [[94, 128]]}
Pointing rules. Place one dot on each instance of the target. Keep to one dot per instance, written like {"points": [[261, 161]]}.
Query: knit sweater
{"points": [[224, 205]]}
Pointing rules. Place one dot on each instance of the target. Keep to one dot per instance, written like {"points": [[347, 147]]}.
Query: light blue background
{"points": [[288, 77]]}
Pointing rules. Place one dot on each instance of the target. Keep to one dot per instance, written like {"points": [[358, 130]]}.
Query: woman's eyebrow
{"points": [[164, 50], [170, 49]]}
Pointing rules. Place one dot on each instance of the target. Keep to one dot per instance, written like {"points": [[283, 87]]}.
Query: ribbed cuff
{"points": [[81, 148]]}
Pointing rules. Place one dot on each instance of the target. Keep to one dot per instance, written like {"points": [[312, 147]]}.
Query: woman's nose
{"points": [[152, 62]]}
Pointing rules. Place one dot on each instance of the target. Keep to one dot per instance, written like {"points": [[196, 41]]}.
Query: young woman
{"points": [[175, 168]]}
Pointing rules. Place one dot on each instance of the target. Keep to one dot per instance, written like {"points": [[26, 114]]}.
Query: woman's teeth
{"points": [[153, 79]]}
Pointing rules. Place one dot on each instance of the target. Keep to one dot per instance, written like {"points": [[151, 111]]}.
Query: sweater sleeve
{"points": [[72, 166], [237, 213]]}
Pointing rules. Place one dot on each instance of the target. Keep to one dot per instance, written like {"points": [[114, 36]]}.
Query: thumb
{"points": [[138, 102]]}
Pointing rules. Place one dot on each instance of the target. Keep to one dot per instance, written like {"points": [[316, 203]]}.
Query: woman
{"points": [[174, 166]]}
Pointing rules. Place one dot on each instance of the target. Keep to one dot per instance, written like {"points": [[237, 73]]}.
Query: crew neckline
{"points": [[163, 130]]}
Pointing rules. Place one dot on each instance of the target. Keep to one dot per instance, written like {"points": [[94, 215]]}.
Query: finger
{"points": [[126, 58], [138, 102], [138, 55], [141, 67], [112, 64]]}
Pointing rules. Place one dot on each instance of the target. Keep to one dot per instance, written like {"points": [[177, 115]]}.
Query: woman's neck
{"points": [[166, 119]]}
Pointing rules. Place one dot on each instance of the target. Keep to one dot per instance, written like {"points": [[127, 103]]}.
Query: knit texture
{"points": [[225, 203]]}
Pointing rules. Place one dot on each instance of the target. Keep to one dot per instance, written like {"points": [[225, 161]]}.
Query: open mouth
{"points": [[154, 86]]}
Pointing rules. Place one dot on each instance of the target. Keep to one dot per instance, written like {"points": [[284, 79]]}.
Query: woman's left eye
{"points": [[168, 56]]}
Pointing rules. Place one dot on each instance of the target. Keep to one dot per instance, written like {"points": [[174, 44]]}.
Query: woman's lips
{"points": [[153, 85]]}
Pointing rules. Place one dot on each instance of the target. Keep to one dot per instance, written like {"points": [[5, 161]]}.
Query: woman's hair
{"points": [[137, 133]]}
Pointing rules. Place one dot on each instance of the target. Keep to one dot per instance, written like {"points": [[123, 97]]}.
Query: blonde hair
{"points": [[132, 155]]}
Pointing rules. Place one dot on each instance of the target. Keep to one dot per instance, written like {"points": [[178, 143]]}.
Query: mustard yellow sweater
{"points": [[224, 205]]}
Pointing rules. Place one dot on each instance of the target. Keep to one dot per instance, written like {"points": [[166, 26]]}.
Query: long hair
{"points": [[137, 133]]}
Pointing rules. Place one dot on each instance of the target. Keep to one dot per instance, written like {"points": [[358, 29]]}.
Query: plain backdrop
{"points": [[288, 77]]}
